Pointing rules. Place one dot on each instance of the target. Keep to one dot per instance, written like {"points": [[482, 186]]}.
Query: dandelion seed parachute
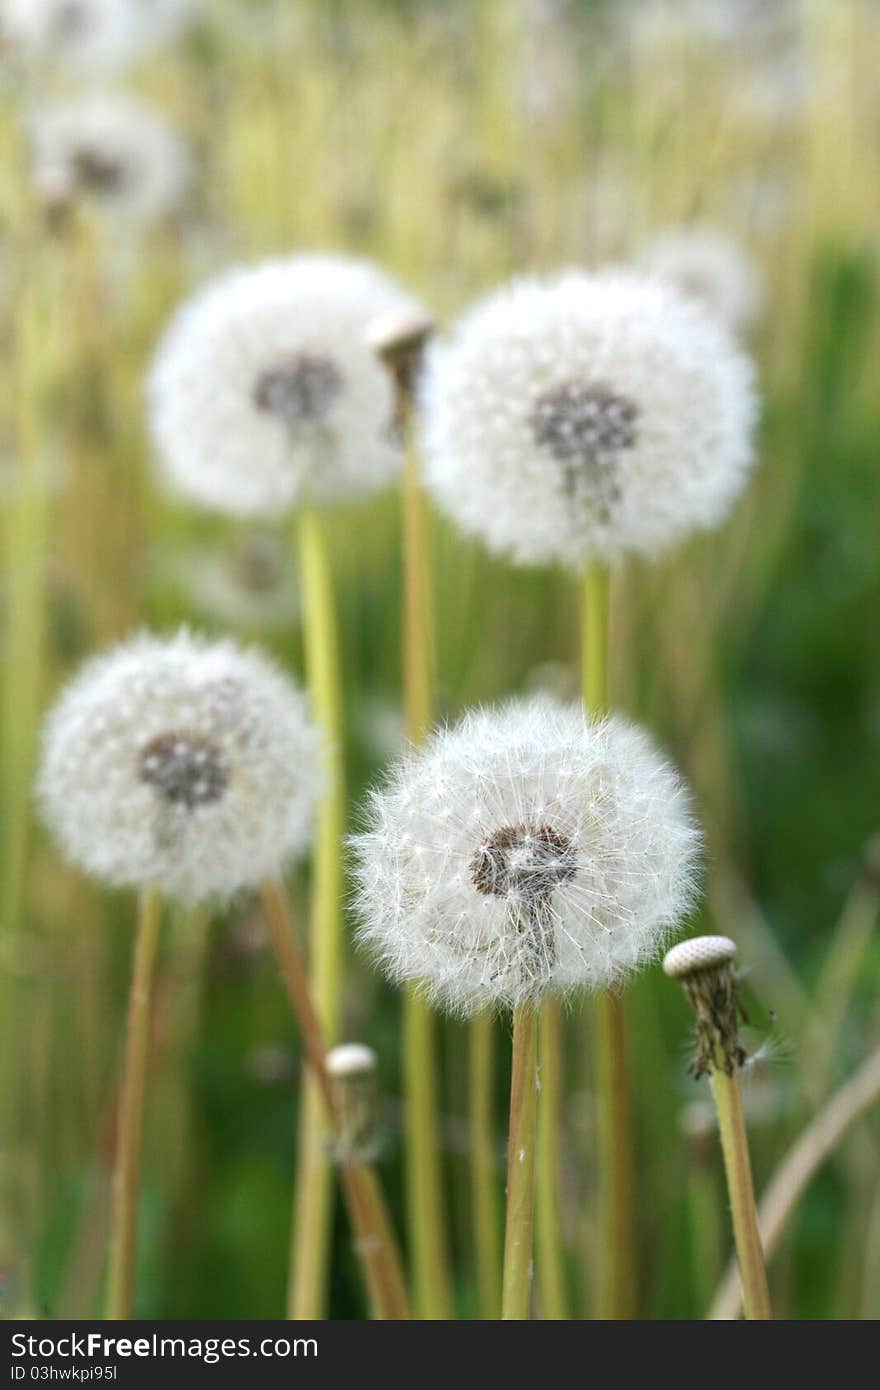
{"points": [[524, 850], [709, 266], [113, 150], [265, 392], [586, 416], [180, 764]]}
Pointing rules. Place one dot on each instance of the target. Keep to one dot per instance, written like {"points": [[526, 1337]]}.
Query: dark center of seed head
{"points": [[100, 173], [71, 20], [523, 861], [299, 390], [585, 425], [183, 769]]}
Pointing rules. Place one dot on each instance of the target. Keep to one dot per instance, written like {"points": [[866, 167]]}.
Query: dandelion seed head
{"points": [[526, 849], [264, 390], [710, 267], [111, 150], [183, 764], [588, 415], [89, 37]]}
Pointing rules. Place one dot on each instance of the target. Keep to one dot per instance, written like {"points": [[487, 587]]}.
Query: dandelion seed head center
{"points": [[257, 566], [525, 861], [184, 769], [100, 172], [71, 20], [299, 390], [584, 423]]}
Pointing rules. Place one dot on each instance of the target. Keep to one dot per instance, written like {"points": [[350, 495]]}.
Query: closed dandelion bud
{"points": [[111, 151], [87, 37], [703, 967], [524, 850], [265, 393], [710, 267], [352, 1071], [180, 764], [586, 417]]}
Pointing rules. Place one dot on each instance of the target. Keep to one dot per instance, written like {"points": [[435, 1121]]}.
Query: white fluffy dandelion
{"points": [[526, 849], [111, 150], [709, 266], [264, 391], [180, 764], [91, 36], [587, 416]]}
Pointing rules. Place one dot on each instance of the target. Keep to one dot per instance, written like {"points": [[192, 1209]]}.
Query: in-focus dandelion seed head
{"points": [[264, 391], [587, 416], [524, 850], [183, 764]]}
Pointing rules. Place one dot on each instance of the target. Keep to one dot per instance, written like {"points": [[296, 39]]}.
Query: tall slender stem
{"points": [[551, 1257], [376, 1244], [517, 1280], [484, 1183], [126, 1175], [738, 1168], [424, 1179], [310, 1240], [617, 1278]]}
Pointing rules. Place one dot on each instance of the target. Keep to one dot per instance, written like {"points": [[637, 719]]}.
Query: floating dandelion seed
{"points": [[585, 417], [526, 849], [91, 36], [112, 150], [265, 392], [180, 764], [709, 266]]}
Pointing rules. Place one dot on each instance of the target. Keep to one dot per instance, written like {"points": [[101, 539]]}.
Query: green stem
{"points": [[376, 1243], [517, 1280], [126, 1175], [310, 1240], [738, 1169], [616, 1236], [551, 1257], [424, 1182], [484, 1183]]}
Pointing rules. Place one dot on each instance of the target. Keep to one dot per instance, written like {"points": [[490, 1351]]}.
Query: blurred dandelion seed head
{"points": [[710, 267], [587, 415], [523, 850], [183, 764], [112, 150], [90, 37], [265, 391]]}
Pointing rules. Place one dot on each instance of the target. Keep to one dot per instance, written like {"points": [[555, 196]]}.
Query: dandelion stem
{"points": [[551, 1260], [376, 1244], [310, 1242], [738, 1168], [423, 1170], [617, 1277], [517, 1280], [126, 1176], [484, 1195]]}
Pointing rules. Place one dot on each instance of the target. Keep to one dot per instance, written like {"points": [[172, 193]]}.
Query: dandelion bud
{"points": [[524, 850], [399, 340], [180, 764], [110, 150], [587, 417], [710, 267], [352, 1069], [703, 967], [264, 391]]}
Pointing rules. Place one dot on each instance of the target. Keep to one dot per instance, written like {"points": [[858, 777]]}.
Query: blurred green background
{"points": [[457, 144]]}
